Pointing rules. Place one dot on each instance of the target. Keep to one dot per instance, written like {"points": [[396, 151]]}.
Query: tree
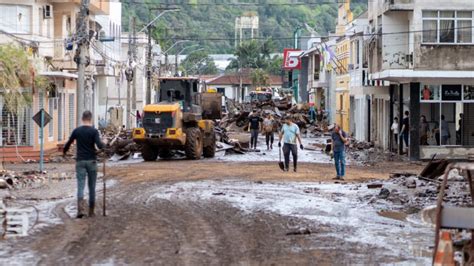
{"points": [[17, 73], [274, 65], [259, 78], [198, 62], [251, 54]]}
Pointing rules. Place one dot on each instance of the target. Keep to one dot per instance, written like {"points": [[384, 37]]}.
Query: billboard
{"points": [[291, 59]]}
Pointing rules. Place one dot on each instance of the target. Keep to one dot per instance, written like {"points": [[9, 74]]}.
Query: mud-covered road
{"points": [[214, 213]]}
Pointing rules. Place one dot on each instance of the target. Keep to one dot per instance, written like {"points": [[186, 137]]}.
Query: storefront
{"points": [[446, 120]]}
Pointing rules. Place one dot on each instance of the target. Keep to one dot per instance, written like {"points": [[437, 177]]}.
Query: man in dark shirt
{"points": [[339, 140], [254, 128], [405, 128], [86, 137]]}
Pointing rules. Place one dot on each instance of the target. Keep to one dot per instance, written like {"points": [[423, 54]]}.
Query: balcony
{"points": [[399, 5], [96, 7]]}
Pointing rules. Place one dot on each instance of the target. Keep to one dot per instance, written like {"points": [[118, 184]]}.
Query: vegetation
{"points": [[16, 72], [212, 25], [198, 62]]}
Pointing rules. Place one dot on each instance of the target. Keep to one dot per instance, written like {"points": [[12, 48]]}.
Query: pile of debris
{"points": [[13, 180], [232, 129], [120, 144]]}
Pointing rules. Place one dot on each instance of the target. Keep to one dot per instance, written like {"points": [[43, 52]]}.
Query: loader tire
{"points": [[209, 150], [165, 154], [193, 147], [149, 153]]}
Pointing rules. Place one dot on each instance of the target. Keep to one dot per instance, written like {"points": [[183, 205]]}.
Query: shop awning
{"points": [[410, 75], [58, 74]]}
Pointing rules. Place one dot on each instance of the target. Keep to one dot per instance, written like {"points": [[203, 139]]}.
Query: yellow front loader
{"points": [[178, 121]]}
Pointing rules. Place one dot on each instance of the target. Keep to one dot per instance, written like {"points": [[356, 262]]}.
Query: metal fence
{"points": [[16, 129]]}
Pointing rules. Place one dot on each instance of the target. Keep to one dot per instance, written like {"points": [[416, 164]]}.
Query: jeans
{"points": [[88, 168], [253, 138], [287, 148], [340, 162], [405, 138], [269, 138]]}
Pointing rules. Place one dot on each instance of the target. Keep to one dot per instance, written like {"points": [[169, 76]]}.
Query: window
{"points": [[447, 27]]}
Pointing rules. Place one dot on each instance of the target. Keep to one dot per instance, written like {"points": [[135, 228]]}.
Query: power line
{"points": [[236, 4], [321, 36]]}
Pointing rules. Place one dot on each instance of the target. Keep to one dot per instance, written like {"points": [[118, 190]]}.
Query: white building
{"points": [[425, 49]]}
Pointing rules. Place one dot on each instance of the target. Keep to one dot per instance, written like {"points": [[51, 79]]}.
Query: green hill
{"points": [[211, 24]]}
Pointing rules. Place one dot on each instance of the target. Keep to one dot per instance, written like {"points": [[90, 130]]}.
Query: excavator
{"points": [[181, 120]]}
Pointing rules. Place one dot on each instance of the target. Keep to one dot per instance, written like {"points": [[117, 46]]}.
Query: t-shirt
{"points": [[424, 128], [338, 143], [406, 123], [395, 128], [268, 125], [85, 137], [426, 94], [254, 122], [444, 129], [289, 133]]}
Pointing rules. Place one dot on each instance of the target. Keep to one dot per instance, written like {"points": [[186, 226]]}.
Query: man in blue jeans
{"points": [[290, 132], [86, 137], [339, 140]]}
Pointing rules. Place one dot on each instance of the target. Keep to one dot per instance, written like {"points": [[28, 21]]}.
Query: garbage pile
{"points": [[14, 180]]}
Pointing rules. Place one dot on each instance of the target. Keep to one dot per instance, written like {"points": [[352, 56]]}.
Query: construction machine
{"points": [[180, 121]]}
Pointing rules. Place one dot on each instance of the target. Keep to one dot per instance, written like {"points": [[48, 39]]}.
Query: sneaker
{"points": [[337, 178], [271, 147], [294, 170]]}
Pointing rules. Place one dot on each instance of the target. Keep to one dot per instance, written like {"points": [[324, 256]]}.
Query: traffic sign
{"points": [[46, 117]]}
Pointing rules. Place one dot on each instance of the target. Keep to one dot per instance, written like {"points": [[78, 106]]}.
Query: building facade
{"points": [[46, 28], [425, 49], [342, 78]]}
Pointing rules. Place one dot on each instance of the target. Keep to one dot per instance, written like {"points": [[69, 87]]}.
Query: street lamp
{"points": [[148, 27], [177, 55]]}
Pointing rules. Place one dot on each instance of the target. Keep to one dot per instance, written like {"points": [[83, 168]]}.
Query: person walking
{"points": [[445, 135], [424, 130], [86, 137], [339, 141], [254, 127], [290, 132], [312, 113], [395, 131], [405, 128], [268, 129]]}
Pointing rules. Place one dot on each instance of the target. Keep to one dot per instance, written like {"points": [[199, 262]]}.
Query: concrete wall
{"points": [[395, 46]]}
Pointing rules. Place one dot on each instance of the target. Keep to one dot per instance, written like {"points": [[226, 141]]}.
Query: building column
{"points": [[414, 121], [400, 118], [391, 116]]}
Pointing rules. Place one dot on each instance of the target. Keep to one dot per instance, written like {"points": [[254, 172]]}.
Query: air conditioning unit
{"points": [[48, 11]]}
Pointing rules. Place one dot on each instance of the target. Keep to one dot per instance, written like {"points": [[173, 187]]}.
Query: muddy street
{"points": [[212, 213]]}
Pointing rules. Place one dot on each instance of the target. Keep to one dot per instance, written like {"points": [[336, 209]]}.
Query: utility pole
{"points": [[129, 74], [176, 64], [134, 67], [82, 31], [148, 66]]}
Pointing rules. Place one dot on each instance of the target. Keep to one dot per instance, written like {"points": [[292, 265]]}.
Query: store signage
{"points": [[291, 59], [451, 93]]}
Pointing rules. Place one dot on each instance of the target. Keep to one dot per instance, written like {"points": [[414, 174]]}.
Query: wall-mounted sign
{"points": [[291, 59], [429, 92], [469, 93], [451, 93]]}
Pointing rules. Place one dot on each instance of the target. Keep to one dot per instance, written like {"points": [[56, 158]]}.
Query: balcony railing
{"points": [[399, 5]]}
